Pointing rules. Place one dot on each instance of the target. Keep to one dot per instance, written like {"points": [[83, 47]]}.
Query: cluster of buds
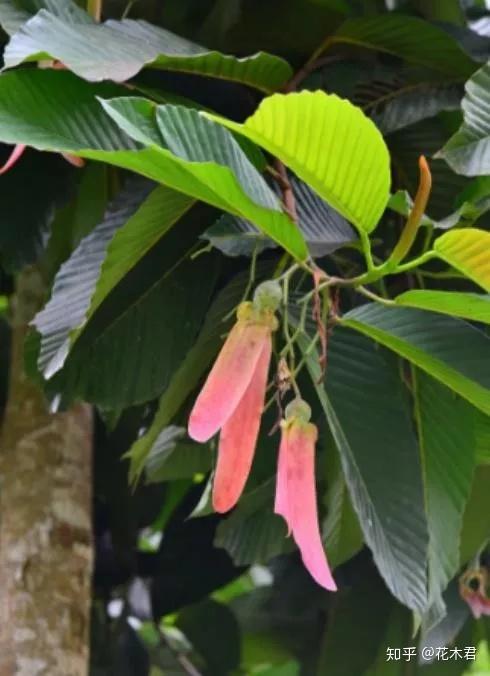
{"points": [[232, 402], [473, 586]]}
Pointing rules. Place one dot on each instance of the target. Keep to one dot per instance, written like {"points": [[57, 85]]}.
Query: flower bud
{"points": [[268, 296], [299, 409]]}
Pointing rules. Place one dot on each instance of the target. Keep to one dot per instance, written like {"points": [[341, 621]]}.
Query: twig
{"points": [[286, 189], [309, 67]]}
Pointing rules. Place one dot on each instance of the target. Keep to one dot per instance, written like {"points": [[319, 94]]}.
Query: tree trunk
{"points": [[45, 520]]}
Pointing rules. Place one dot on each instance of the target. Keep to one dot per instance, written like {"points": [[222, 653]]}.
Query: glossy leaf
{"points": [[411, 103], [468, 251], [341, 532], [322, 227], [202, 159], [130, 349], [15, 13], [472, 306], [370, 421], [330, 145], [118, 50], [450, 350], [468, 150], [56, 111], [447, 446], [410, 38], [199, 158], [69, 307]]}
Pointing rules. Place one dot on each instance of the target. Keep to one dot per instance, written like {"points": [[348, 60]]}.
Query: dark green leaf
{"points": [[402, 106], [213, 630], [171, 458], [468, 151], [323, 229], [71, 295], [341, 532], [25, 223], [132, 346], [447, 447], [253, 533], [449, 349], [353, 623], [189, 372], [410, 38], [476, 525], [370, 422]]}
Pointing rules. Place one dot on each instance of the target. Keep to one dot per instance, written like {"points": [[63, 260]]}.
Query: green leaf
{"points": [[130, 349], [202, 159], [476, 525], [25, 224], [54, 110], [68, 308], [450, 350], [471, 306], [447, 447], [468, 251], [353, 623], [50, 112], [370, 421], [341, 532], [213, 630], [466, 214], [410, 38], [468, 150], [171, 458], [322, 227], [253, 533], [118, 50], [482, 432], [398, 106], [330, 145], [426, 138]]}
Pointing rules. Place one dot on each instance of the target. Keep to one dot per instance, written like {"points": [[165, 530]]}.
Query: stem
{"points": [[287, 191], [366, 249], [309, 67], [409, 233], [289, 347], [374, 296]]}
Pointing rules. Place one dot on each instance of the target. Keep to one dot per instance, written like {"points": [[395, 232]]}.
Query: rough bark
{"points": [[45, 520]]}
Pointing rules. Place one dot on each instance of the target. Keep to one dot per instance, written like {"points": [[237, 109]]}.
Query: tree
{"points": [[304, 204]]}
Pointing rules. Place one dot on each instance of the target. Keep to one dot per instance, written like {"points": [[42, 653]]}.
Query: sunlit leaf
{"points": [[455, 303], [330, 144], [468, 251]]}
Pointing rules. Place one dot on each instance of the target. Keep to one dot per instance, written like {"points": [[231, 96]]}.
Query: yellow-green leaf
{"points": [[473, 306], [467, 250], [330, 144]]}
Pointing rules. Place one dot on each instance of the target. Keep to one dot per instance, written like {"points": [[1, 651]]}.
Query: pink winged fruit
{"points": [[232, 399], [296, 490]]}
